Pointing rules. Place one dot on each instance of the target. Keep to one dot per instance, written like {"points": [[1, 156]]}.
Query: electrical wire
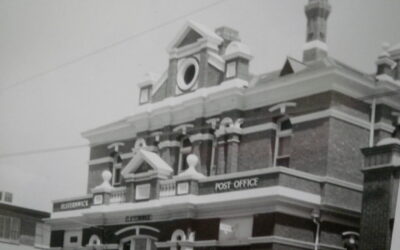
{"points": [[246, 120], [109, 46]]}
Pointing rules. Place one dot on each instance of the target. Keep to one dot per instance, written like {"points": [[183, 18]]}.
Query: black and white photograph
{"points": [[199, 125]]}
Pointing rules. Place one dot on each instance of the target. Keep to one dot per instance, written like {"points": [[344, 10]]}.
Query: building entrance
{"points": [[138, 244]]}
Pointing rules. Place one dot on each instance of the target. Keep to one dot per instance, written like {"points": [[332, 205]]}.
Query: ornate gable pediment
{"points": [[292, 66], [146, 162], [193, 32]]}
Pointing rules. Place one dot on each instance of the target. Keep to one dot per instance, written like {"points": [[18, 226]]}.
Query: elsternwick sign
{"points": [[72, 205]]}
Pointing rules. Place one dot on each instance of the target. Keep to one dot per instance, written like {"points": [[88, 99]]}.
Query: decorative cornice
{"points": [[232, 95], [168, 144], [201, 137], [323, 114]]}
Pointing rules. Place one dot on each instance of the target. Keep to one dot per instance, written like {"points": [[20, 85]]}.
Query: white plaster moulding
{"points": [[207, 202], [252, 101], [316, 44], [250, 241], [334, 113]]}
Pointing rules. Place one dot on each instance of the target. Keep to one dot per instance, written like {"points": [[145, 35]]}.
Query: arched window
{"points": [[185, 149], [282, 147], [94, 240], [178, 235]]}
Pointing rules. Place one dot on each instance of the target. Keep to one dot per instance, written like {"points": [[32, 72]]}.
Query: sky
{"points": [[69, 66]]}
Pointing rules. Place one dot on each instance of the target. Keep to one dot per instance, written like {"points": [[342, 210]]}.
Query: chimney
{"points": [[317, 13], [385, 65], [394, 52], [379, 202], [229, 35]]}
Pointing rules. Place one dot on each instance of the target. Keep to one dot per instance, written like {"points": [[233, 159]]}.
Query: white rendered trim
{"points": [[137, 229], [99, 161], [201, 137], [288, 171], [217, 61], [169, 144], [306, 83], [203, 31], [315, 44], [259, 128], [385, 126], [334, 113]]}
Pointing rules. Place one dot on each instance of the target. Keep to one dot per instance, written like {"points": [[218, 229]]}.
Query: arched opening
{"points": [[94, 240], [185, 149], [138, 243]]}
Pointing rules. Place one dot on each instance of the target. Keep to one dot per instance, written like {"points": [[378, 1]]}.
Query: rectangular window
{"points": [[9, 228], [282, 147], [116, 175], [73, 238], [8, 197], [144, 95], [231, 69], [1, 196], [142, 192]]}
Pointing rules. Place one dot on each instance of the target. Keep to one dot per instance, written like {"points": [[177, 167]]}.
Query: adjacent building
{"points": [[216, 157], [22, 228]]}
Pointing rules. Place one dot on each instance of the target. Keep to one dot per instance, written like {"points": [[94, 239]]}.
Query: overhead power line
{"points": [[297, 112], [43, 150], [107, 47]]}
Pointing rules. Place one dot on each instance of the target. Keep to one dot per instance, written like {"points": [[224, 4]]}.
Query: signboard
{"points": [[98, 199], [142, 192], [236, 184], [235, 228], [183, 188], [136, 218], [72, 205]]}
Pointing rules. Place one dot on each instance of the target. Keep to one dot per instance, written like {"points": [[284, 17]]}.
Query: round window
{"points": [[188, 71], [189, 74]]}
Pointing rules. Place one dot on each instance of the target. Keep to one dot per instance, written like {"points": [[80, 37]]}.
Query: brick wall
{"points": [[375, 233], [344, 155]]}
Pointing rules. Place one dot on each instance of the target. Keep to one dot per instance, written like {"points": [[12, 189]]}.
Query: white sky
{"points": [[52, 110]]}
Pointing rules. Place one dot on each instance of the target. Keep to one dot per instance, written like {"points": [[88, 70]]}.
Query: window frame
{"points": [[231, 69], [13, 231], [148, 94], [132, 239], [280, 134]]}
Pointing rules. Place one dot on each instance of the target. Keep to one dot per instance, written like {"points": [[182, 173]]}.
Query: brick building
{"points": [[218, 158], [22, 228]]}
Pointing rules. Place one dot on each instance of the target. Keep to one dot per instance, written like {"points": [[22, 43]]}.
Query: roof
{"points": [[300, 67], [199, 28], [24, 211]]}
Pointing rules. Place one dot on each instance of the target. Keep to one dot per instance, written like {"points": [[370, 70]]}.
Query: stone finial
{"points": [[191, 171], [385, 64], [105, 186]]}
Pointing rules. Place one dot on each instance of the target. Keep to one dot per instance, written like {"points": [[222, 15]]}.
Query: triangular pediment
{"points": [[191, 33], [291, 66], [145, 161], [191, 37]]}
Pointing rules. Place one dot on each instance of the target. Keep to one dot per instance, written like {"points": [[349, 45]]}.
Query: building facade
{"points": [[22, 228], [218, 158]]}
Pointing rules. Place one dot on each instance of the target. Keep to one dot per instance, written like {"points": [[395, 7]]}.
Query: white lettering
{"points": [[236, 184]]}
